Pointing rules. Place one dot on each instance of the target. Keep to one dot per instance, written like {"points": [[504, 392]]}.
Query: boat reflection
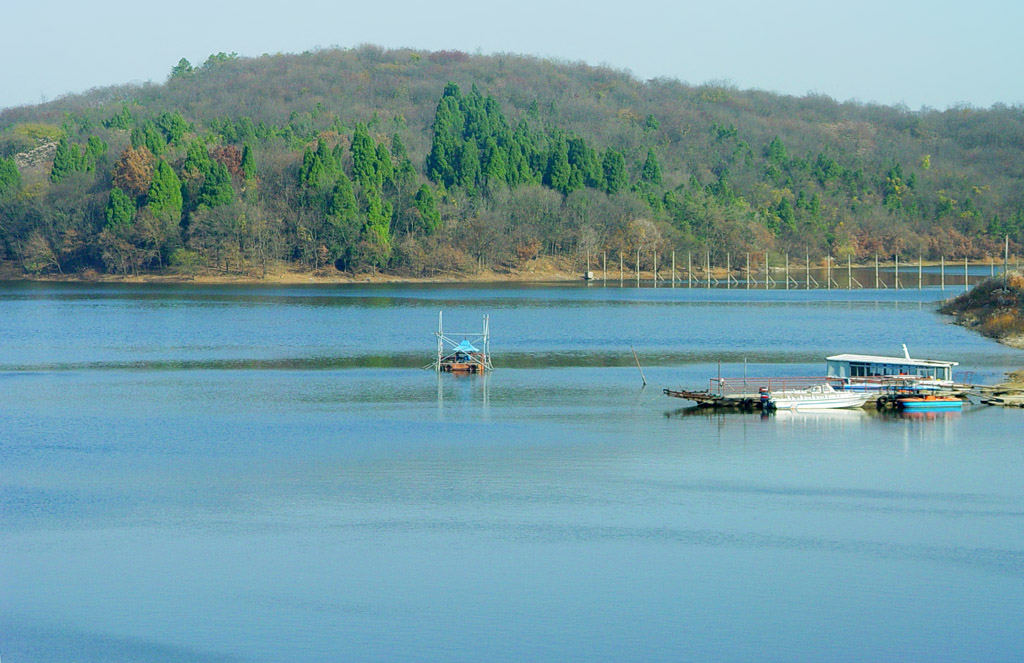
{"points": [[800, 416]]}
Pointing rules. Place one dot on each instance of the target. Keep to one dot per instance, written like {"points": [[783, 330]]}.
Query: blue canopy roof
{"points": [[466, 347]]}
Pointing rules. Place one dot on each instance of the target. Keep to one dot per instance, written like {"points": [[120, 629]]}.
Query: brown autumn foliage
{"points": [[133, 172], [231, 157]]}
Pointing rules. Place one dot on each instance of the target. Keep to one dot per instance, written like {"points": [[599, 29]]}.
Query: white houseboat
{"points": [[872, 372]]}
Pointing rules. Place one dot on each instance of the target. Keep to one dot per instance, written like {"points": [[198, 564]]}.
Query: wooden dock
{"points": [[709, 399]]}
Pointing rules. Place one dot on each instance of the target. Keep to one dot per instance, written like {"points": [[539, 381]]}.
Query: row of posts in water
{"points": [[707, 280]]}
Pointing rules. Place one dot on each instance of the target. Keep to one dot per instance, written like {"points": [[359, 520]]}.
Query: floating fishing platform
{"points": [[462, 356]]}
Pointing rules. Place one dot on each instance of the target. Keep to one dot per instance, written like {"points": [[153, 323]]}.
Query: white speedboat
{"points": [[818, 397]]}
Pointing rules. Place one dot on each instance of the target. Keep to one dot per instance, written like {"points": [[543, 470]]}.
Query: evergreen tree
{"points": [[147, 134], [216, 189], [182, 69], [248, 163], [65, 161], [493, 163], [10, 177], [364, 159], [405, 172], [312, 171], [197, 159], [447, 140], [343, 201], [614, 166], [385, 169], [557, 173], [173, 126], [425, 204], [165, 191], [786, 216], [122, 120], [776, 152], [342, 220], [468, 165], [651, 171], [94, 149], [120, 209], [576, 151], [377, 230]]}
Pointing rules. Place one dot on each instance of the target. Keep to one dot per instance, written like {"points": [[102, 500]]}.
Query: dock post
{"points": [[673, 269], [896, 284], [708, 274], [942, 272], [620, 268], [728, 271], [807, 270], [655, 269], [689, 270], [849, 272], [965, 274], [919, 272], [766, 278], [828, 272], [787, 271], [992, 266], [748, 270], [604, 269], [876, 271], [638, 268]]}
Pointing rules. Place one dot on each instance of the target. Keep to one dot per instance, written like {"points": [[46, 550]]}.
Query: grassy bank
{"points": [[993, 308]]}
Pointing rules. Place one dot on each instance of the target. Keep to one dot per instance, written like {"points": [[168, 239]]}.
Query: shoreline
{"points": [[541, 270]]}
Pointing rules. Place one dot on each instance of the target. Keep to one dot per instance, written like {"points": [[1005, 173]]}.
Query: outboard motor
{"points": [[766, 398]]}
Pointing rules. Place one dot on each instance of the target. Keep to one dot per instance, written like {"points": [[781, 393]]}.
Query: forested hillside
{"points": [[437, 163]]}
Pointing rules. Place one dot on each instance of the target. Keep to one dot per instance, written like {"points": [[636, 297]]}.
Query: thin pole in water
{"points": [[876, 271], [728, 271], [689, 270], [620, 268], [849, 272], [787, 283], [604, 268], [638, 268], [709, 268], [655, 269], [748, 270], [673, 269], [965, 274], [807, 270], [942, 272], [919, 259], [765, 270], [828, 272], [638, 366], [897, 282]]}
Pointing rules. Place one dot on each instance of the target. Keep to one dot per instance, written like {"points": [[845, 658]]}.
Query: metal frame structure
{"points": [[450, 358]]}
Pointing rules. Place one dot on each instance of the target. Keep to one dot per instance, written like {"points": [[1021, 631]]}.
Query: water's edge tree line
{"points": [[443, 163]]}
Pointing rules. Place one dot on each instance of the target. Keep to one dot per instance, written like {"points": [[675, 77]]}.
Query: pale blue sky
{"points": [[936, 53]]}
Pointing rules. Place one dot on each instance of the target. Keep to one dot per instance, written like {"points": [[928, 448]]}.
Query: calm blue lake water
{"points": [[222, 473]]}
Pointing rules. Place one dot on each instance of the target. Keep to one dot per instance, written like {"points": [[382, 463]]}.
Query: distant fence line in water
{"points": [[703, 273]]}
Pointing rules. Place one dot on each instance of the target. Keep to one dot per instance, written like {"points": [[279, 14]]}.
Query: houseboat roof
{"points": [[902, 361]]}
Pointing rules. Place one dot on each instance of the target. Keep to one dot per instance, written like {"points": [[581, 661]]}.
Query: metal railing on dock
{"points": [[736, 387]]}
